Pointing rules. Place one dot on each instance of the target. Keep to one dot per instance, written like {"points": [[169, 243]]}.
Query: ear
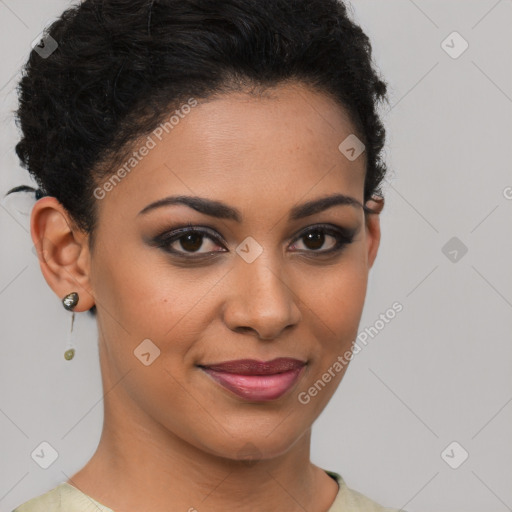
{"points": [[62, 250], [373, 227]]}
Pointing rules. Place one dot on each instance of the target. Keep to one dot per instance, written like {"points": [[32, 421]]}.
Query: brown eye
{"points": [[314, 239], [191, 243], [189, 240], [195, 242]]}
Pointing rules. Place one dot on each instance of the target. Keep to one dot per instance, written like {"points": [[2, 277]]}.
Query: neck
{"points": [[140, 465]]}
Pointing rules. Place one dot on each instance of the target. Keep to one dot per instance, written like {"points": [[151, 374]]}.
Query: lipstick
{"points": [[255, 380]]}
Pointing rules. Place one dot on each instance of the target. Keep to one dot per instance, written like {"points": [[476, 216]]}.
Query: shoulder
{"points": [[350, 499], [62, 498], [49, 501]]}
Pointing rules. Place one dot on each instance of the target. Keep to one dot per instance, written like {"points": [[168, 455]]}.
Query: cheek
{"points": [[144, 297], [339, 296], [133, 284]]}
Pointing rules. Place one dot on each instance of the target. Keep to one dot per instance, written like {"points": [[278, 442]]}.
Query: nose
{"points": [[260, 301]]}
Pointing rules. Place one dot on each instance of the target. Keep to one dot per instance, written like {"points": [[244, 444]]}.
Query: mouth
{"points": [[256, 380]]}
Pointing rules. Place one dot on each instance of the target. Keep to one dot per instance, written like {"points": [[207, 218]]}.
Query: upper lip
{"points": [[255, 367]]}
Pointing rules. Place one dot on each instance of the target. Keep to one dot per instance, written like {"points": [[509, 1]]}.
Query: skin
{"points": [[173, 439]]}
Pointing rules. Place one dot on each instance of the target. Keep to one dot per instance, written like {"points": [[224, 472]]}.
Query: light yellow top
{"points": [[67, 498]]}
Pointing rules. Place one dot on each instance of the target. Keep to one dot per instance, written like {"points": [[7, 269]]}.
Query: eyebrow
{"points": [[223, 211]]}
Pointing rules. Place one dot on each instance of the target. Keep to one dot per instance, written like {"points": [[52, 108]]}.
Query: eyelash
{"points": [[343, 237]]}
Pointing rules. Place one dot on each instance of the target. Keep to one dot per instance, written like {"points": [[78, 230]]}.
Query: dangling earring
{"points": [[69, 302]]}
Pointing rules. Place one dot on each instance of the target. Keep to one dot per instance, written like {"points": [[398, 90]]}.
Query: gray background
{"points": [[439, 372]]}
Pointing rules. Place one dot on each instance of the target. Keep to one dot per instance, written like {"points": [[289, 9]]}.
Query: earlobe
{"points": [[60, 249], [373, 227]]}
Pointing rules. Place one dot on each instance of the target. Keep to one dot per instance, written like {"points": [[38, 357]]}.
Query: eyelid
{"points": [[171, 235], [328, 228], [194, 228], [343, 235]]}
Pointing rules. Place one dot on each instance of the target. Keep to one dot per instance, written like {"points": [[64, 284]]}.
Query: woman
{"points": [[209, 177]]}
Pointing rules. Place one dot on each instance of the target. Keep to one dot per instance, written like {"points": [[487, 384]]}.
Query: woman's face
{"points": [[260, 287]]}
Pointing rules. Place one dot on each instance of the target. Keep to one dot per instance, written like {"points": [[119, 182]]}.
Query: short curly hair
{"points": [[120, 66]]}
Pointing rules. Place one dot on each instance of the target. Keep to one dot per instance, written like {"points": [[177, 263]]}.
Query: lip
{"points": [[257, 380]]}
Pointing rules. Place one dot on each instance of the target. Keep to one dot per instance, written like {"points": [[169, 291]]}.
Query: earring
{"points": [[69, 302]]}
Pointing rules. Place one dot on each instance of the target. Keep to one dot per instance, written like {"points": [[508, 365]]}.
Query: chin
{"points": [[254, 445]]}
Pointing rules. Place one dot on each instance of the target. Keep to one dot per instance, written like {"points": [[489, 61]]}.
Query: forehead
{"points": [[242, 148]]}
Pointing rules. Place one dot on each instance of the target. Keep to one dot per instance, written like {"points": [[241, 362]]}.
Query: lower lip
{"points": [[261, 388]]}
